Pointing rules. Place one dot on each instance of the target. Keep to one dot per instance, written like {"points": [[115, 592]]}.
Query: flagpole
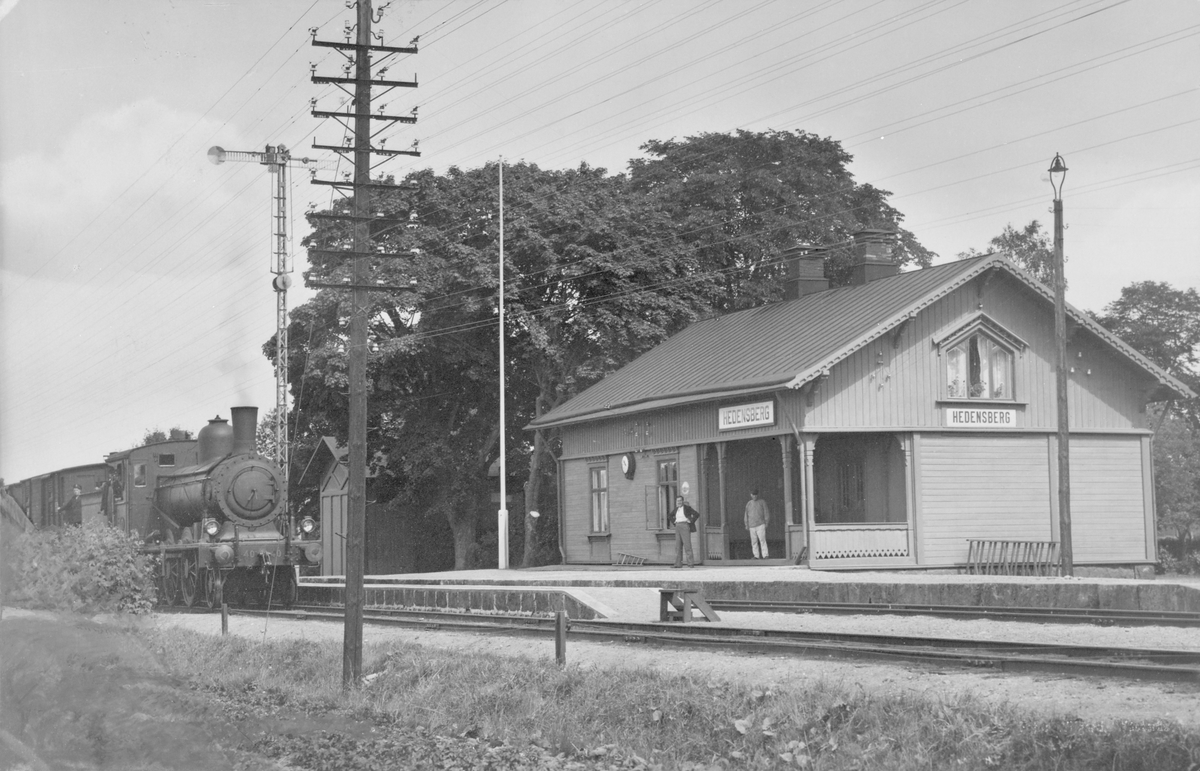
{"points": [[502, 514]]}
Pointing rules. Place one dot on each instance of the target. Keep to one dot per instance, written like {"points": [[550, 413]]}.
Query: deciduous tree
{"points": [[1163, 323], [598, 267], [740, 200], [1030, 247]]}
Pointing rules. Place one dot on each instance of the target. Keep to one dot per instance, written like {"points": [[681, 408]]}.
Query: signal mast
{"points": [[278, 160]]}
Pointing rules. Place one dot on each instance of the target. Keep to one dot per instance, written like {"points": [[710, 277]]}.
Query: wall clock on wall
{"points": [[628, 465]]}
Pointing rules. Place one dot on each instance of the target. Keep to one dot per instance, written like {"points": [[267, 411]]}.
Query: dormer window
{"points": [[978, 355], [979, 368]]}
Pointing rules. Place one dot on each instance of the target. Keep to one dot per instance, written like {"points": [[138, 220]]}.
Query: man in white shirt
{"points": [[683, 519], [757, 516]]}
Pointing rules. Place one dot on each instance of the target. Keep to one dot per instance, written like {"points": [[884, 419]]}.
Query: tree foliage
{"points": [[1029, 247], [598, 269], [1177, 477], [1163, 323], [152, 435], [740, 200]]}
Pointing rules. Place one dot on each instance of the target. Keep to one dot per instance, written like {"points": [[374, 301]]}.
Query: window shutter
{"points": [[653, 520]]}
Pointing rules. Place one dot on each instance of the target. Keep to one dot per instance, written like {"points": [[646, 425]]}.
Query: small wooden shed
{"points": [[389, 549]]}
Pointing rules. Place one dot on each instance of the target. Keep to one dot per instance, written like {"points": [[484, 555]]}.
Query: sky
{"points": [[135, 276]]}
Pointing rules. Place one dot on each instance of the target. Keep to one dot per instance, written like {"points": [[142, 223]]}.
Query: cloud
{"points": [[6, 7], [124, 190]]}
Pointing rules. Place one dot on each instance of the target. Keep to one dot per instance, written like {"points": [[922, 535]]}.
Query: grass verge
{"points": [[644, 718]]}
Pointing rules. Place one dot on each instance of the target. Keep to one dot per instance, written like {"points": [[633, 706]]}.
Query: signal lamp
{"points": [[211, 527], [307, 525]]}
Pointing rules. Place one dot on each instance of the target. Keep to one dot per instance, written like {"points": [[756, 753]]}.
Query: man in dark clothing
{"points": [[683, 519]]}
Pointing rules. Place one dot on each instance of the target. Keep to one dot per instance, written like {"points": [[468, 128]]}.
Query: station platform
{"points": [[632, 593]]}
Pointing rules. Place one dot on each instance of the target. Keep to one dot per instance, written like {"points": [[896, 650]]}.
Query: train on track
{"points": [[213, 510]]}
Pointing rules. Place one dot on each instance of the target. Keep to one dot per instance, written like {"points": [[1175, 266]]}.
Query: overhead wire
{"points": [[478, 4]]}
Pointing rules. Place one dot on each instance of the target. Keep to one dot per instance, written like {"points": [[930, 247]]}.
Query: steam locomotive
{"points": [[213, 510]]}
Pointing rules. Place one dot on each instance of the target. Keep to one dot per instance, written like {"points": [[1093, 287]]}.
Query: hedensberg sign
{"points": [[746, 416]]}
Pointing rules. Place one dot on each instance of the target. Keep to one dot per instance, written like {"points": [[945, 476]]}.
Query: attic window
{"points": [[977, 367]]}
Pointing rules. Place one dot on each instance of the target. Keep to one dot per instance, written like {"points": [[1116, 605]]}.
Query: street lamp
{"points": [[1058, 174]]}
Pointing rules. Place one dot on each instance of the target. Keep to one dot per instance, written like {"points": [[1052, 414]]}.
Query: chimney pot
{"points": [[873, 259], [805, 271]]}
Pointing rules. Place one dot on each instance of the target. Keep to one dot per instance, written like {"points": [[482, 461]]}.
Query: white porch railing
{"points": [[838, 542]]}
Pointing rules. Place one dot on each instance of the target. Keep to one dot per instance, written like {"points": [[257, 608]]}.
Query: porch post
{"points": [[721, 488], [810, 492], [785, 446]]}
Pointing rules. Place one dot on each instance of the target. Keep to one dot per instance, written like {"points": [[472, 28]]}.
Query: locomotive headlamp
{"points": [[211, 527], [307, 525]]}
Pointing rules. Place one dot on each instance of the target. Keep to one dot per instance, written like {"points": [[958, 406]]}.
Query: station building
{"points": [[886, 423]]}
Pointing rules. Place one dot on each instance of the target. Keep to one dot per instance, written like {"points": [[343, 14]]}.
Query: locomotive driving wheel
{"points": [[189, 578]]}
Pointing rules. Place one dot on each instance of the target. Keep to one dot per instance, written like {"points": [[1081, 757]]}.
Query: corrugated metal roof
{"points": [[786, 344]]}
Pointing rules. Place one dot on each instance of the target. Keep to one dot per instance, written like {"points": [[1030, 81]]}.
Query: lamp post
{"points": [[1058, 174]]}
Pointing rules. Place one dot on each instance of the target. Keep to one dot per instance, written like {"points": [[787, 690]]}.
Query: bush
{"points": [[88, 568], [1188, 564]]}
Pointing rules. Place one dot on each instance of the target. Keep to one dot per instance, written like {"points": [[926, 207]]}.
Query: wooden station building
{"points": [[886, 424]]}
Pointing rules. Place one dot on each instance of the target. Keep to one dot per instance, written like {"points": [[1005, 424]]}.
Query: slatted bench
{"points": [[1013, 558], [677, 605]]}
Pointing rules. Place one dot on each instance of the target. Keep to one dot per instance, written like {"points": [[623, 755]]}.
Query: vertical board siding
{"points": [[577, 512], [628, 501], [981, 487], [1108, 516]]}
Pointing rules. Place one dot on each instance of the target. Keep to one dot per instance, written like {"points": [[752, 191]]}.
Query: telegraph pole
{"points": [[356, 528], [360, 284]]}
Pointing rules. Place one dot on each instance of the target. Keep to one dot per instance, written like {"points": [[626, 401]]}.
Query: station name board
{"points": [[746, 416], [974, 418]]}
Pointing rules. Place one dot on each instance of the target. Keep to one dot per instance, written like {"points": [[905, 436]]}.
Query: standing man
{"points": [[757, 516], [684, 519]]}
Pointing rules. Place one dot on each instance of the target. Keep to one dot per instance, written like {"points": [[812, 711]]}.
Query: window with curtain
{"points": [[978, 367], [599, 500]]}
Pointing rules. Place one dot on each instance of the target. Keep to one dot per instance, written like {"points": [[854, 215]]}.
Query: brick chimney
{"points": [[805, 271], [873, 256]]}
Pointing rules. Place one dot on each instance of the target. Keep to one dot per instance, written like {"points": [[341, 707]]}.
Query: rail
{"points": [[1094, 616], [1136, 663]]}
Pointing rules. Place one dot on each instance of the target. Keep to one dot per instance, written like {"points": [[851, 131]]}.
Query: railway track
{"points": [[1098, 617], [1130, 663]]}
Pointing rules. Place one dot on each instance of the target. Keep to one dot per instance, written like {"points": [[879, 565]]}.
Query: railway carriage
{"points": [[65, 497]]}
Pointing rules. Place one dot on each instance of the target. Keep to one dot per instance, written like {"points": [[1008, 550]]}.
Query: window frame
{"points": [[139, 472], [986, 329], [602, 492], [668, 489]]}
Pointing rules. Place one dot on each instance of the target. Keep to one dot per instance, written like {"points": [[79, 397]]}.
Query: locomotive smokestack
{"points": [[245, 426]]}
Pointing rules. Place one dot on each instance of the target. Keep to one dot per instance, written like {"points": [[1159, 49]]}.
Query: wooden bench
{"points": [[1013, 558], [677, 605]]}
